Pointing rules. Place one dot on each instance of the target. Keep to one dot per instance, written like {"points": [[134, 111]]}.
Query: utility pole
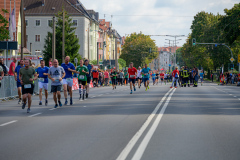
{"points": [[116, 56], [63, 38], [22, 28], [54, 40], [97, 53]]}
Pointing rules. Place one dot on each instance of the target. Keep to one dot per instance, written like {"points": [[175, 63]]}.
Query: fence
{"points": [[9, 87]]}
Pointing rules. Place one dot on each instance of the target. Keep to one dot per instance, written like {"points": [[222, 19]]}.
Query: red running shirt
{"points": [[132, 72], [161, 75], [95, 74]]}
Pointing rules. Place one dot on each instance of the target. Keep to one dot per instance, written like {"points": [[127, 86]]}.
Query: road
{"points": [[158, 124]]}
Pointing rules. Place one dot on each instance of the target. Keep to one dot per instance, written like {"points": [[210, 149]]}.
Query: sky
{"points": [[155, 17]]}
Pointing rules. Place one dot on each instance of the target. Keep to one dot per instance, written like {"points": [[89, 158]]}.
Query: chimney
{"points": [[43, 2]]}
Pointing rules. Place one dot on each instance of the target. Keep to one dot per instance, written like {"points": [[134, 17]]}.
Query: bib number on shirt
{"points": [[41, 80], [81, 77], [26, 86], [56, 80], [132, 76]]}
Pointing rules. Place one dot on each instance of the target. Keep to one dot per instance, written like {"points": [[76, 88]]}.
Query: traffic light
{"points": [[193, 41], [231, 66], [150, 50]]}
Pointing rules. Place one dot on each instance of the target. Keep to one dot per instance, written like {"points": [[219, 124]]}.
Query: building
{"points": [[39, 16]]}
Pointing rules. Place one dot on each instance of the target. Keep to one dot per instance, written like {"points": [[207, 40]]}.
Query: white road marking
{"points": [[133, 141], [138, 154], [93, 96], [238, 98], [100, 95], [8, 123], [52, 109], [35, 115], [230, 94], [84, 106]]}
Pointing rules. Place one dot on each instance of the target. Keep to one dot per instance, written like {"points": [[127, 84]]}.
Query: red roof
{"points": [[167, 49]]}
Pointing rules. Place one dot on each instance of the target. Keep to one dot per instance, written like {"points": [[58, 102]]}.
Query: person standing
{"points": [[42, 72], [50, 62], [16, 75], [86, 63], [82, 70], [12, 67], [145, 72], [175, 75], [56, 74], [26, 78], [1, 75], [126, 76], [68, 79], [132, 71], [95, 74], [4, 67], [201, 77], [121, 78]]}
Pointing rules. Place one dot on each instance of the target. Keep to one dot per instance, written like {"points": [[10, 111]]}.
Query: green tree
{"points": [[71, 41], [122, 63], [136, 49], [94, 62], [3, 27]]}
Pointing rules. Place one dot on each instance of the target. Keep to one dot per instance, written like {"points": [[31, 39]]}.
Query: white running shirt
{"points": [[139, 73]]}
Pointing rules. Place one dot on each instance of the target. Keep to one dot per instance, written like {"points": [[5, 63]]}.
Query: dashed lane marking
{"points": [[35, 115], [4, 124]]}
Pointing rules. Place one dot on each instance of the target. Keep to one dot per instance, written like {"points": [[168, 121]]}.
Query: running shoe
{"points": [[175, 87], [148, 87], [171, 87], [46, 102], [24, 105], [28, 110], [66, 102], [60, 104], [131, 92], [56, 105], [71, 103], [19, 102], [134, 89], [40, 103]]}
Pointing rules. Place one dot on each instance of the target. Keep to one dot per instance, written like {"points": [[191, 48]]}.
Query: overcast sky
{"points": [[172, 17]]}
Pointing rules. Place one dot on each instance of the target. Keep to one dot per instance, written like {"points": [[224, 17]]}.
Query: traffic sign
{"points": [[232, 59], [238, 58]]}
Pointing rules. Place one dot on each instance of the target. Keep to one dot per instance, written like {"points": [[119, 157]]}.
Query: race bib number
{"points": [[81, 77], [56, 80], [132, 76], [41, 80], [69, 79], [26, 86]]}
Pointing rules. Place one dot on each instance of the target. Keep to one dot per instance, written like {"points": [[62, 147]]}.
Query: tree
{"points": [[71, 41], [94, 62], [122, 63], [3, 27], [136, 49]]}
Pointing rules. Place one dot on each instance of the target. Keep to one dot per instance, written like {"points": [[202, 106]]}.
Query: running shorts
{"points": [[27, 90], [55, 89], [113, 81], [69, 82], [19, 84], [82, 82], [132, 80], [43, 85], [88, 80], [145, 79]]}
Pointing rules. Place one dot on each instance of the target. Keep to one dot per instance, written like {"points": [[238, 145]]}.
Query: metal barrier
{"points": [[8, 88]]}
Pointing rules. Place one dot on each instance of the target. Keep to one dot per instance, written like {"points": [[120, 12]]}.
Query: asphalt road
{"points": [[158, 124]]}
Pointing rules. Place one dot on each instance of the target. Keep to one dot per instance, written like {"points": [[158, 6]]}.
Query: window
{"points": [[37, 22], [74, 22], [26, 21], [50, 23], [37, 38], [37, 52]]}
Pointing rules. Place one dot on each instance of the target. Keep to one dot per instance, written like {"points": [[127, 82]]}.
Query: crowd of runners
{"points": [[61, 77]]}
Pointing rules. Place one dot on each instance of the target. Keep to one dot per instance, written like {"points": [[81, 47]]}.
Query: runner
{"points": [[19, 86], [121, 78], [86, 63], [132, 71], [139, 77], [26, 78], [12, 67], [95, 75], [82, 70], [157, 77], [201, 77], [114, 78], [126, 77], [162, 76], [106, 77], [165, 78], [42, 72], [56, 73], [145, 72], [153, 77], [68, 79], [175, 75]]}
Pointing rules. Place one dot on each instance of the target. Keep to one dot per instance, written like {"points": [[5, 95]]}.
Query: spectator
{"points": [[50, 62], [4, 67], [106, 77], [1, 74], [233, 77], [12, 67]]}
